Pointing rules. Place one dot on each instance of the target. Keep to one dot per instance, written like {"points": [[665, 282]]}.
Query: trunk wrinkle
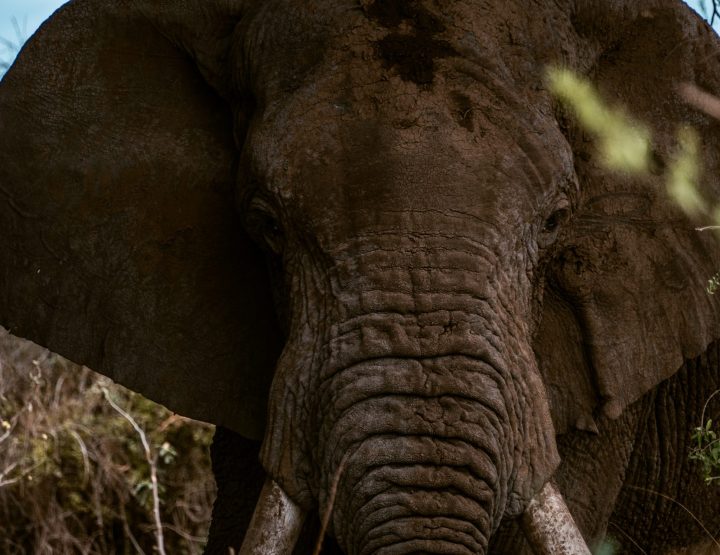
{"points": [[404, 522], [478, 491], [475, 537]]}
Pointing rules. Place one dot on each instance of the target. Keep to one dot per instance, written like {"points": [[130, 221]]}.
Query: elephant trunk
{"points": [[439, 449], [428, 455], [430, 394]]}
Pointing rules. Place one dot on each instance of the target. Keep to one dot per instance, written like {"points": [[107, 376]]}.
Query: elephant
{"points": [[364, 239]]}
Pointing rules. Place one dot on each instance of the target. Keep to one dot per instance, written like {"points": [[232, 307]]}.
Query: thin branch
{"points": [[688, 511], [5, 472], [624, 533], [153, 470], [702, 417], [331, 502], [7, 433], [184, 535], [133, 541], [17, 478], [698, 98], [128, 533], [83, 452]]}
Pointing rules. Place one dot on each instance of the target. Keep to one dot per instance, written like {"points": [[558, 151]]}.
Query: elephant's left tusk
{"points": [[275, 525], [549, 526]]}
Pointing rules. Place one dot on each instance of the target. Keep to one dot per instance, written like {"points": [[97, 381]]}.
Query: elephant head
{"points": [[364, 231]]}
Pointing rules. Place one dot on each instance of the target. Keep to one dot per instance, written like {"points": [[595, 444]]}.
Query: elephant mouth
{"points": [[546, 522]]}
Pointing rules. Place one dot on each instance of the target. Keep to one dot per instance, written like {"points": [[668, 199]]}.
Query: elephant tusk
{"points": [[275, 525], [549, 526]]}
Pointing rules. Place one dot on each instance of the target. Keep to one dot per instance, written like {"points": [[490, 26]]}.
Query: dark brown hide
{"points": [[120, 246], [457, 278], [627, 301]]}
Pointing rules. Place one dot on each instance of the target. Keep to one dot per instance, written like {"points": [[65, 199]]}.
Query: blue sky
{"points": [[31, 13]]}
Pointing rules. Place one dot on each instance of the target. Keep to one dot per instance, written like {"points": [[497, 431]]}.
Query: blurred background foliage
{"points": [[74, 476], [626, 144], [74, 473]]}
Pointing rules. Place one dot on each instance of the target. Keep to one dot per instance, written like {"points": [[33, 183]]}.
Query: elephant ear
{"points": [[119, 245], [626, 300]]}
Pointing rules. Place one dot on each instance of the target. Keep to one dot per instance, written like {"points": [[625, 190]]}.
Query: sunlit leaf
{"points": [[684, 172], [623, 143]]}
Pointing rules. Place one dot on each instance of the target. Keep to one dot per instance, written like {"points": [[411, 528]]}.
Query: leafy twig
{"points": [[708, 445]]}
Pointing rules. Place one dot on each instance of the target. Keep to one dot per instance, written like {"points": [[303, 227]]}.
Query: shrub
{"points": [[74, 477]]}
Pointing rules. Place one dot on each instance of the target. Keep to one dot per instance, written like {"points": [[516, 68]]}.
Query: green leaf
{"points": [[623, 143], [683, 174]]}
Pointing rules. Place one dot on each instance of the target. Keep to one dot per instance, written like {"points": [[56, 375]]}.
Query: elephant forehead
{"points": [[286, 40], [343, 122], [465, 141], [341, 175]]}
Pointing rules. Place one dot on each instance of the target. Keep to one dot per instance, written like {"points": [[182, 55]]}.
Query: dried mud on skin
{"points": [[412, 54]]}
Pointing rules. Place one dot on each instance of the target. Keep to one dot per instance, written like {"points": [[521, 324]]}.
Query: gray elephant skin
{"points": [[365, 233]]}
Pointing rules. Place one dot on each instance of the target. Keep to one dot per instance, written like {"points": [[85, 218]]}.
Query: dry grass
{"points": [[74, 475]]}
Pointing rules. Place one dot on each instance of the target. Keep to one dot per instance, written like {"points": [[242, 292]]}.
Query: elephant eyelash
{"points": [[264, 225], [556, 219], [552, 225]]}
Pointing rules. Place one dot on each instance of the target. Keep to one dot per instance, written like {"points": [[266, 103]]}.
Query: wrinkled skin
{"points": [[372, 221]]}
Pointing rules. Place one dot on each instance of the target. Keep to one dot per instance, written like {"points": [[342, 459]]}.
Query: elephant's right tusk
{"points": [[549, 526], [275, 525]]}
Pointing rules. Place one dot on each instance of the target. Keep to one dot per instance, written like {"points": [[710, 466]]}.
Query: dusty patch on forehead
{"points": [[391, 13], [411, 52]]}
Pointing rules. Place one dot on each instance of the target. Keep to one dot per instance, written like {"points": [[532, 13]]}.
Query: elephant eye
{"points": [[264, 226], [552, 225], [272, 235], [555, 220]]}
